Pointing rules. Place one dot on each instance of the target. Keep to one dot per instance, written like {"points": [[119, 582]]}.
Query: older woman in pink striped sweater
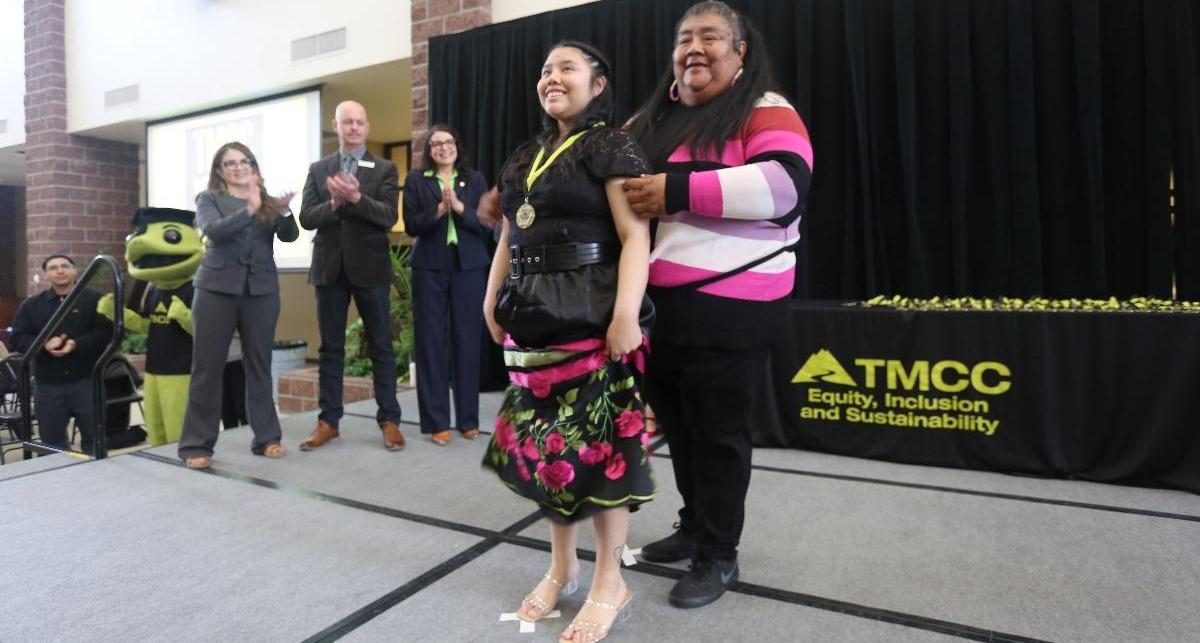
{"points": [[733, 162]]}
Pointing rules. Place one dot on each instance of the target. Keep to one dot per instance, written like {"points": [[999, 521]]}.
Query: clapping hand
{"points": [[450, 198], [283, 201], [343, 189], [647, 195], [488, 211]]}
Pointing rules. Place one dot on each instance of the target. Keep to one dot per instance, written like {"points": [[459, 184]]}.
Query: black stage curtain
{"points": [[963, 147]]}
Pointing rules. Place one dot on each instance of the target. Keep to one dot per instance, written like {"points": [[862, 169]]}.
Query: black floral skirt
{"points": [[571, 434]]}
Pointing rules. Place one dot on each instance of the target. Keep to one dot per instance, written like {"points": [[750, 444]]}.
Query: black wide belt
{"points": [[566, 256]]}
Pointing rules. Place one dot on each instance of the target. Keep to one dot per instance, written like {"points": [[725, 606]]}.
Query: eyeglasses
{"points": [[232, 163], [449, 143]]}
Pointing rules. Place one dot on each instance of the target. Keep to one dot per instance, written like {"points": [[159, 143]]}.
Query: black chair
{"points": [[121, 385], [10, 406]]}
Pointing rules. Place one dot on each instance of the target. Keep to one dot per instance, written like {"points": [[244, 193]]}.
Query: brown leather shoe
{"points": [[320, 435], [393, 439], [441, 438]]}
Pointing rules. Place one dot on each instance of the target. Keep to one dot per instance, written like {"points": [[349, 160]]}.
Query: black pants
{"points": [[702, 399], [57, 403], [448, 325], [333, 302]]}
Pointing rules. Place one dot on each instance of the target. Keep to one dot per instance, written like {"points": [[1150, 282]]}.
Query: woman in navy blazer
{"points": [[450, 264], [236, 287]]}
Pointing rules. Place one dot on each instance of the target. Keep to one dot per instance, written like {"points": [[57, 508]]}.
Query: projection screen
{"points": [[283, 131]]}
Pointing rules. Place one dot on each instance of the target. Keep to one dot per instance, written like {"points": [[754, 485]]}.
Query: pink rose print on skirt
{"points": [[557, 474], [615, 468], [555, 444], [529, 449], [505, 437], [522, 469], [629, 423], [539, 388], [595, 453]]}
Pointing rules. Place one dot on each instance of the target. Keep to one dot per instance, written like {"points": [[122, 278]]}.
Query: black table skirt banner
{"points": [[1110, 397]]}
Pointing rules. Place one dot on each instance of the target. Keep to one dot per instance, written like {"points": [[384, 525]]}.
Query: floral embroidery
{"points": [[523, 470], [575, 442], [505, 438], [555, 475], [615, 468], [540, 389], [529, 449], [555, 443], [596, 453], [629, 423]]}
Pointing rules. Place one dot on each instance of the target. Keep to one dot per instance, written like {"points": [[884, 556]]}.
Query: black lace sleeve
{"points": [[613, 152]]}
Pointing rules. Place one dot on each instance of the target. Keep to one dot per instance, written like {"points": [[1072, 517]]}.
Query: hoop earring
{"points": [[736, 76], [673, 92]]}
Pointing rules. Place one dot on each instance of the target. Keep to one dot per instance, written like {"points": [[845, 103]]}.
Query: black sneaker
{"points": [[704, 582], [672, 549]]}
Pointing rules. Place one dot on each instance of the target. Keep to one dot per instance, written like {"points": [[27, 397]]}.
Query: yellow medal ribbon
{"points": [[526, 214], [536, 170]]}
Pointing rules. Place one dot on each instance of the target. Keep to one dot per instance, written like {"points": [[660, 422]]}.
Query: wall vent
{"points": [[316, 45], [121, 96], [3, 125]]}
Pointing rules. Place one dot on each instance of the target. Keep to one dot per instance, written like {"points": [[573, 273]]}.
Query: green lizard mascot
{"points": [[165, 251]]}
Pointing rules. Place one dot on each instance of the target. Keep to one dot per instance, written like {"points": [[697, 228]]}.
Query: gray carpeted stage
{"points": [[353, 542]]}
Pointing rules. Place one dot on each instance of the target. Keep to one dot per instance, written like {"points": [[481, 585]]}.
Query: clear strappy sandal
{"points": [[590, 631], [540, 604]]}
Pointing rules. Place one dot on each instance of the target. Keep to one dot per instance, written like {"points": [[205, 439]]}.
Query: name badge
{"points": [[368, 164]]}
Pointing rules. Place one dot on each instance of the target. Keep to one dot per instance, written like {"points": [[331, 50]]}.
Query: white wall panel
{"points": [[12, 72], [186, 55], [503, 10]]}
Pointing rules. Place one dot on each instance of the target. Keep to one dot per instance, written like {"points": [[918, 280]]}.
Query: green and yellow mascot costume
{"points": [[165, 251]]}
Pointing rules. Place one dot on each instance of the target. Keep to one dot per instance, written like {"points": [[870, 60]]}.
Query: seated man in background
{"points": [[64, 363]]}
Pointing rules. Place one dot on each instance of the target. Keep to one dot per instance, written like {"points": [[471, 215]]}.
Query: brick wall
{"points": [[80, 192], [436, 18], [299, 390]]}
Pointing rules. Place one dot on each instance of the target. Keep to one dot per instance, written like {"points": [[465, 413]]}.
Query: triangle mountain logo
{"points": [[160, 308], [822, 366]]}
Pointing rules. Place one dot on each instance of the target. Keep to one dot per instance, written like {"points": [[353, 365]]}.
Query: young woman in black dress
{"points": [[566, 297]]}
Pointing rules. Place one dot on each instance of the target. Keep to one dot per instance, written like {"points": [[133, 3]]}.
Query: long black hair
{"points": [[599, 109], [461, 165], [708, 126]]}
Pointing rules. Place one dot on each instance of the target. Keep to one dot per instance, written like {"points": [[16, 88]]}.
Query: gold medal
{"points": [[525, 215]]}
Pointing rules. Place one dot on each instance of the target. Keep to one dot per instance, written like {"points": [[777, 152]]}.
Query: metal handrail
{"points": [[100, 433]]}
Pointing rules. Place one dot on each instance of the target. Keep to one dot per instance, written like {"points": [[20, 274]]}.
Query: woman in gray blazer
{"points": [[236, 288]]}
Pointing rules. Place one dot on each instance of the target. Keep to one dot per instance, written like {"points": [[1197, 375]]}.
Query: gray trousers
{"points": [[57, 403], [214, 317]]}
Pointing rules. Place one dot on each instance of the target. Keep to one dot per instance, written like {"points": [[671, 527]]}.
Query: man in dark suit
{"points": [[350, 199]]}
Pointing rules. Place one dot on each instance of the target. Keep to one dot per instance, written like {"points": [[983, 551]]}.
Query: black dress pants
{"points": [[333, 304], [702, 399], [448, 325], [56, 403]]}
